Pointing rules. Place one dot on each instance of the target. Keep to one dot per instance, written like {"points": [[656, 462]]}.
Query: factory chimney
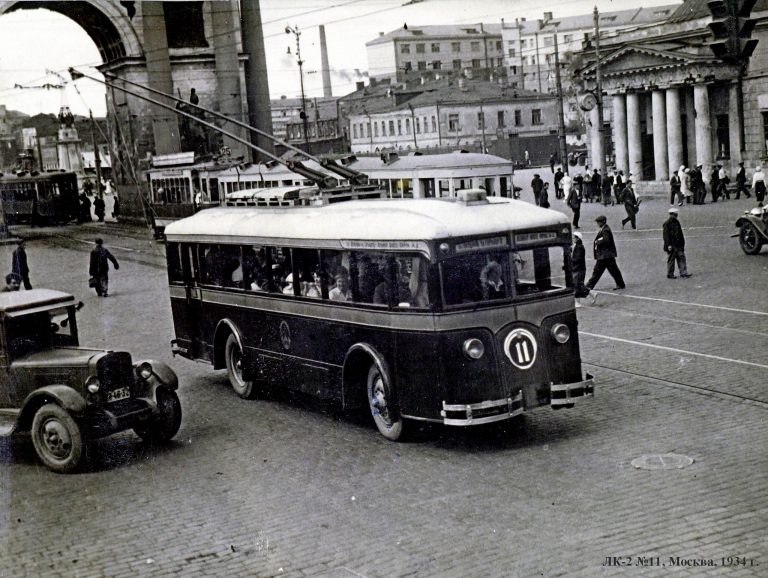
{"points": [[325, 70]]}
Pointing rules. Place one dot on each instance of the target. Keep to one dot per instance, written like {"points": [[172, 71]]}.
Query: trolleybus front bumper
{"points": [[562, 395]]}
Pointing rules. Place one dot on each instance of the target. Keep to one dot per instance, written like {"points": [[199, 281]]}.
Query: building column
{"points": [[634, 141], [674, 130], [734, 130], [703, 128], [660, 156], [690, 127], [620, 133]]}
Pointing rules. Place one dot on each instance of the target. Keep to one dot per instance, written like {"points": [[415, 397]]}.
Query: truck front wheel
{"points": [[57, 438]]}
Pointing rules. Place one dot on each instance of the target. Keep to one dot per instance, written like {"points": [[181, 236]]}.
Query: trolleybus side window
{"points": [[175, 271]]}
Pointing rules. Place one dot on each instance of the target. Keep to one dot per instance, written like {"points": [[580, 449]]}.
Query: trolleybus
{"points": [[455, 311], [39, 198]]}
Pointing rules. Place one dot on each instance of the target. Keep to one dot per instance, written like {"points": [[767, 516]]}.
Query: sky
{"points": [[35, 45]]}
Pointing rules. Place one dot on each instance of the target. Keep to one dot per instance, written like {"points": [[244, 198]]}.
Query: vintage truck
{"points": [[63, 394]]}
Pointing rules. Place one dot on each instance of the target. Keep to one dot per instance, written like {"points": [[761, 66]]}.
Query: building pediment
{"points": [[638, 59]]}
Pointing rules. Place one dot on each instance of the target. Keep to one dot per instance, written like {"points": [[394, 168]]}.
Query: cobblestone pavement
{"points": [[282, 487]]}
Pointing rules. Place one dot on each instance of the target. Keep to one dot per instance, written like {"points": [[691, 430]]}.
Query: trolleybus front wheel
{"points": [[233, 355], [385, 414]]}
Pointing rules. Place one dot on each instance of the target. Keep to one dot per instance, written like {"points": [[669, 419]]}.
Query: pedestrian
{"points": [[699, 188], [631, 205], [674, 245], [597, 189], [575, 196], [723, 181], [579, 268], [544, 196], [685, 183], [527, 159], [99, 207], [714, 183], [566, 184], [758, 183], [741, 181], [85, 209], [99, 268], [552, 160], [558, 181], [537, 185], [605, 253], [618, 188], [19, 265], [587, 180], [607, 187], [675, 187], [12, 283], [116, 209]]}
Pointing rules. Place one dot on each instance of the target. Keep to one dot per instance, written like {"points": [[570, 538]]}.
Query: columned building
{"points": [[672, 103]]}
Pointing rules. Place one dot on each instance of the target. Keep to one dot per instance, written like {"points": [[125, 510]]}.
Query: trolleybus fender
{"points": [[357, 362], [224, 329]]}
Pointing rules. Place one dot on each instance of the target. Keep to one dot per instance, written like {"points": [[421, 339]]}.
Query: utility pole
{"points": [[295, 31], [560, 115], [538, 65], [599, 162], [96, 155], [482, 125]]}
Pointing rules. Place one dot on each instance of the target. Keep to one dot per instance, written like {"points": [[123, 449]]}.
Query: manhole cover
{"points": [[662, 462]]}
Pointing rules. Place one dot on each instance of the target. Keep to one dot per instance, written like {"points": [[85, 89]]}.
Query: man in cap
{"points": [[605, 256], [99, 267], [674, 245], [741, 181]]}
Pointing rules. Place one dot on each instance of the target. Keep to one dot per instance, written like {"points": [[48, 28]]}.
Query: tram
{"points": [[47, 198]]}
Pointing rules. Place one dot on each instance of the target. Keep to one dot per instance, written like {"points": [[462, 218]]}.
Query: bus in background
{"points": [[39, 198], [179, 186], [454, 311], [414, 176]]}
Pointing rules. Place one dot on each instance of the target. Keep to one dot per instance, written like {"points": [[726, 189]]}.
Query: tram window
{"points": [[175, 272], [444, 188]]}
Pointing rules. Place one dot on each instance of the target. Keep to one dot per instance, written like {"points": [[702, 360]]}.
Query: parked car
{"points": [[63, 394], [753, 230]]}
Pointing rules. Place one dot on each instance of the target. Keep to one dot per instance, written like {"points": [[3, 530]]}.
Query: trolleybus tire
{"points": [[57, 438], [233, 356], [749, 239], [385, 414]]}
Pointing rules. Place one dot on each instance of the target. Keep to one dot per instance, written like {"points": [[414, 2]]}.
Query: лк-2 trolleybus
{"points": [[455, 311]]}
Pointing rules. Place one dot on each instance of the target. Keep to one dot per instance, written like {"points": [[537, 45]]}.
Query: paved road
{"points": [[280, 487]]}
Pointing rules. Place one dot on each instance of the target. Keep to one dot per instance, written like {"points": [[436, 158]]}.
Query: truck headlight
{"points": [[474, 348], [92, 384], [561, 333], [145, 371]]}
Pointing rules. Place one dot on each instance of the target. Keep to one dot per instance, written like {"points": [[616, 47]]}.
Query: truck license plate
{"points": [[118, 394]]}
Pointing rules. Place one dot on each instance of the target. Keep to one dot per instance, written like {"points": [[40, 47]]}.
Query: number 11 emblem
{"points": [[520, 347]]}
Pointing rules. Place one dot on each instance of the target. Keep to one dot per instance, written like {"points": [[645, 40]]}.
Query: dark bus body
{"points": [[434, 349]]}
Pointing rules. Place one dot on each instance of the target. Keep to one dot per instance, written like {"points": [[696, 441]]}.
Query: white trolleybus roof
{"points": [[399, 224]]}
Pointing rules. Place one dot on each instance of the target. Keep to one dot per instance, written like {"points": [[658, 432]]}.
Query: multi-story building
{"points": [[459, 113], [529, 45], [421, 50]]}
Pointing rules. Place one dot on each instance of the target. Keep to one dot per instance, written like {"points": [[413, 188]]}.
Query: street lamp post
{"points": [[295, 31]]}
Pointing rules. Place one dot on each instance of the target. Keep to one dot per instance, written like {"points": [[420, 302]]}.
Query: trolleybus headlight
{"points": [[145, 371], [474, 348], [444, 248], [92, 384], [561, 333]]}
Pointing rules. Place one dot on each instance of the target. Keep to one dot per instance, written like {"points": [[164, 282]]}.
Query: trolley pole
{"points": [[560, 114]]}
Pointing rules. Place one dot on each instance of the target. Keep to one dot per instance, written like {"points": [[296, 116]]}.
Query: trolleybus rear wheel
{"points": [[385, 414], [233, 355]]}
